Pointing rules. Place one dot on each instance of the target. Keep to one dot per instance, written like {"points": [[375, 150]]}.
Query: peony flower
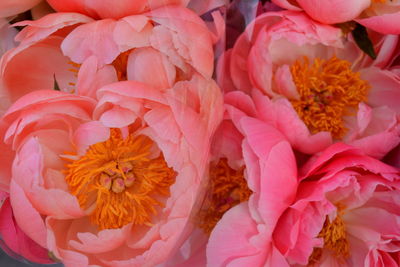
{"points": [[255, 181], [319, 87], [10, 8], [378, 15], [14, 241], [82, 55], [345, 214], [110, 181], [122, 8]]}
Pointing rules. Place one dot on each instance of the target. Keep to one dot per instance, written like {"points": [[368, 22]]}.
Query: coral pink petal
{"points": [[53, 66], [91, 77], [43, 27], [26, 216], [382, 23], [77, 6], [144, 62], [131, 89], [162, 121], [133, 32], [10, 8], [89, 134], [344, 10], [116, 8], [192, 37], [117, 117], [47, 96], [92, 39], [242, 102], [235, 228]]}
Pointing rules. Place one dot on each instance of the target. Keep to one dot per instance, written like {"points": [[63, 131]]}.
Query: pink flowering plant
{"points": [[175, 133]]}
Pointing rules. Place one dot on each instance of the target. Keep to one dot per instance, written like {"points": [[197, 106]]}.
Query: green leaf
{"points": [[56, 86], [360, 35]]}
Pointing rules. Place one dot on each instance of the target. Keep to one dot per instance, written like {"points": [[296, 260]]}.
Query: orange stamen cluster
{"points": [[335, 239], [118, 182], [329, 90], [228, 188]]}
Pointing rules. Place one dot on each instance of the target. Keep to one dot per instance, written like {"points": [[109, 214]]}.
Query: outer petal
{"points": [[344, 10], [235, 228], [92, 39], [382, 23], [10, 8]]}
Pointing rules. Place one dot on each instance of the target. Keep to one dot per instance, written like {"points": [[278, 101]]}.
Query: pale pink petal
{"points": [[285, 85], [235, 228], [91, 77], [117, 117], [144, 62], [343, 10], [41, 64], [89, 134], [26, 216], [104, 241], [92, 39], [382, 23], [42, 28], [385, 89], [133, 32], [191, 38]]}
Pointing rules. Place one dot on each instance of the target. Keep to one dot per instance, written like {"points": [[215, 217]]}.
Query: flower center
{"points": [[335, 239], [228, 188], [118, 182], [329, 90]]}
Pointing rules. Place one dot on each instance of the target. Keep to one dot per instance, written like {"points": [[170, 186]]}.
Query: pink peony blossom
{"points": [[318, 86], [341, 208], [111, 180], [377, 15], [16, 242], [82, 54], [121, 8]]}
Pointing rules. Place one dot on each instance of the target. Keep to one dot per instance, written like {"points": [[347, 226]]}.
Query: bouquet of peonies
{"points": [[176, 133]]}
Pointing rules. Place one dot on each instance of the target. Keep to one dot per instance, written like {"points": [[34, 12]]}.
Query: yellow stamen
{"points": [[329, 90], [335, 239], [228, 188], [118, 181]]}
